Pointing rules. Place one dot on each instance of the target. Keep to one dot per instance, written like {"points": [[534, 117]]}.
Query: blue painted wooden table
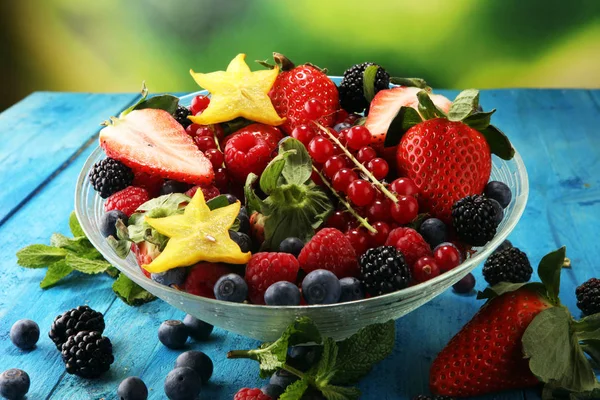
{"points": [[45, 139]]}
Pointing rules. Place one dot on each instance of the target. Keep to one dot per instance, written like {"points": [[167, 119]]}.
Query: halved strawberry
{"points": [[152, 141], [144, 253]]}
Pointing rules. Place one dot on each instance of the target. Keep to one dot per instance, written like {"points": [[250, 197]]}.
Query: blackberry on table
{"points": [[352, 98], [474, 219], [181, 116], [588, 296], [108, 176], [509, 265], [384, 270], [87, 354], [79, 319]]}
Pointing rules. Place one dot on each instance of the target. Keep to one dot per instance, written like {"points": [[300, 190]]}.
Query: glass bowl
{"points": [[338, 321]]}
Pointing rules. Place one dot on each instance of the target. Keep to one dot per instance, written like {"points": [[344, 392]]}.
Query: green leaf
{"points": [[426, 107], [253, 203], [505, 287], [295, 391], [143, 94], [498, 142], [464, 105], [554, 352], [80, 246], [357, 354], [55, 273], [218, 202], [479, 120], [39, 255], [369, 76], [332, 392], [112, 272], [165, 102], [549, 271], [409, 82], [75, 226], [592, 348], [327, 363], [406, 118], [86, 265], [119, 246], [130, 292], [298, 165], [170, 202], [269, 178], [160, 207]]}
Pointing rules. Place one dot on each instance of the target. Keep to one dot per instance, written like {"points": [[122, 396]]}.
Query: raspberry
{"points": [[246, 153], [410, 243], [127, 200], [209, 192], [264, 269], [330, 249], [202, 278], [250, 394], [152, 183]]}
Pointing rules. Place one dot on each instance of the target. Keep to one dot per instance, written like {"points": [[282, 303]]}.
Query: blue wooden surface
{"points": [[44, 141]]}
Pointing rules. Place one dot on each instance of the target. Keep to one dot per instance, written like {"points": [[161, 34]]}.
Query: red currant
{"points": [[359, 238], [405, 210], [215, 157], [219, 131], [199, 104], [361, 192], [320, 149], [316, 178], [205, 142], [221, 179], [425, 269], [205, 130], [314, 109], [351, 118], [338, 220], [379, 238], [342, 136], [333, 165], [379, 210], [366, 154], [357, 137], [404, 187], [342, 179], [191, 129], [304, 134], [378, 167], [447, 256], [340, 116]]}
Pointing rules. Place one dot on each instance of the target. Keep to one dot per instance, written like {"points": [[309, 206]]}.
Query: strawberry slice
{"points": [[151, 141], [386, 104]]}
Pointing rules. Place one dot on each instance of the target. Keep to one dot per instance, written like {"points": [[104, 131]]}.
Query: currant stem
{"points": [[363, 169], [351, 210]]}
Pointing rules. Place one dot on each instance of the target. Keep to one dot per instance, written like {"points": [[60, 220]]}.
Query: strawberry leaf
{"points": [[269, 179], [464, 104], [406, 118], [479, 120], [165, 102], [298, 164], [499, 143], [218, 202], [505, 287], [369, 76], [549, 271], [253, 202], [426, 107], [409, 82]]}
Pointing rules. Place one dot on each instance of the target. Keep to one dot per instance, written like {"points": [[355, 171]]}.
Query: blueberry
{"points": [[282, 378], [341, 126], [352, 289], [14, 384], [173, 187], [108, 222], [498, 191], [198, 361], [182, 384], [304, 357], [231, 287], [465, 285], [282, 294], [244, 220], [24, 334], [291, 245], [231, 198], [173, 334], [434, 231], [132, 388], [242, 240], [321, 287], [503, 246], [197, 329], [175, 276], [499, 212], [273, 391]]}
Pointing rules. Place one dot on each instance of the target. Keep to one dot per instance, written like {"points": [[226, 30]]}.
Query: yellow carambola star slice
{"points": [[238, 92], [199, 234]]}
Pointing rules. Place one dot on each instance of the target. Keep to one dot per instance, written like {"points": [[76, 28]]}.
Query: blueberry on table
{"points": [[273, 391], [291, 245], [282, 293], [24, 334], [108, 222], [242, 240], [231, 287], [321, 287], [434, 231], [498, 191], [352, 289], [197, 329], [173, 334], [465, 285], [282, 378], [198, 361], [172, 186], [182, 384], [175, 276], [132, 388], [14, 384]]}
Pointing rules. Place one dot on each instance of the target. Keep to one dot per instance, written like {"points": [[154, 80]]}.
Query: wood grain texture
{"points": [[554, 130]]}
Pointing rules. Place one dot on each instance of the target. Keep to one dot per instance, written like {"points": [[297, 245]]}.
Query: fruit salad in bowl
{"points": [[283, 192]]}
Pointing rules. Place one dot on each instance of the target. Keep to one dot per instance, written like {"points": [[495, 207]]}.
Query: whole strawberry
{"points": [[264, 269], [302, 93], [330, 249]]}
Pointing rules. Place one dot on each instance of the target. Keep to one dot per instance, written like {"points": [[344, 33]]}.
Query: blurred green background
{"points": [[112, 45]]}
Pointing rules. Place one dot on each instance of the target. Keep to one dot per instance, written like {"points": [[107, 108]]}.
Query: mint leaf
{"points": [[55, 273], [498, 142], [332, 392], [298, 165], [369, 76], [75, 226], [406, 118], [218, 202], [85, 265], [39, 255], [357, 354], [269, 179], [295, 391], [160, 207], [81, 246], [479, 120], [464, 105], [327, 363], [165, 102], [130, 292], [426, 107], [170, 202], [112, 272], [549, 271], [119, 246]]}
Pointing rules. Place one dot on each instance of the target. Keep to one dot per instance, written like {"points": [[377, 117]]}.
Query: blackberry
{"points": [[352, 98], [87, 354], [109, 176], [384, 270], [474, 219], [181, 116], [73, 321], [588, 296], [509, 265]]}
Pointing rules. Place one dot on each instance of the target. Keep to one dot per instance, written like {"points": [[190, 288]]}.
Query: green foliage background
{"points": [[112, 45]]}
